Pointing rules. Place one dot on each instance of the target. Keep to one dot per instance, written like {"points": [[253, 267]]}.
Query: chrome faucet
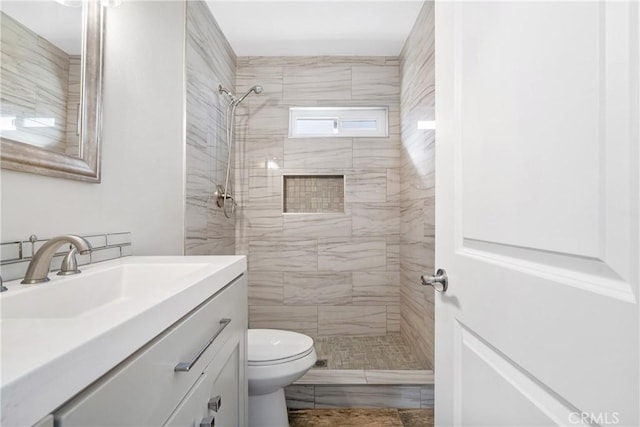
{"points": [[38, 269]]}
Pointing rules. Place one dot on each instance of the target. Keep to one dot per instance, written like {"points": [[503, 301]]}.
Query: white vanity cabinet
{"points": [[194, 371]]}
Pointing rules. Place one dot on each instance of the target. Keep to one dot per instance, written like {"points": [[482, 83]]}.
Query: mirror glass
{"points": [[50, 80]]}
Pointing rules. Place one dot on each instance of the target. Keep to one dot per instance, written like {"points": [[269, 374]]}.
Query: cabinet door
{"points": [[145, 389], [216, 398]]}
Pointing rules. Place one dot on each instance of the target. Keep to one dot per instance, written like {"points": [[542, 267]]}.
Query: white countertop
{"points": [[45, 362]]}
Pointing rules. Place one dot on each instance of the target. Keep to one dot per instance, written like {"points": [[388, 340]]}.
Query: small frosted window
{"points": [[359, 124], [311, 126], [310, 122]]}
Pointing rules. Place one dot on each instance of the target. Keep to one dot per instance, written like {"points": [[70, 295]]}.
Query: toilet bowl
{"points": [[276, 359]]}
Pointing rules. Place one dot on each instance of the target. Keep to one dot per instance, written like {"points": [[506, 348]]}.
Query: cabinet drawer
{"points": [[221, 386], [145, 388]]}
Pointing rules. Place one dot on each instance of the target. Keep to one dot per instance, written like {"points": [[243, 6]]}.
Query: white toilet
{"points": [[276, 359]]}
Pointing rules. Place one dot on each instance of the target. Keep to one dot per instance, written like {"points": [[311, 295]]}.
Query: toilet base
{"points": [[268, 410]]}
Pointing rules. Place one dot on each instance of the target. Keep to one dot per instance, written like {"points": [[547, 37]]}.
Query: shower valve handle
{"points": [[439, 281]]}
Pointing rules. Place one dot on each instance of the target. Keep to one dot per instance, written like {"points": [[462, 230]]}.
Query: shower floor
{"points": [[389, 352]]}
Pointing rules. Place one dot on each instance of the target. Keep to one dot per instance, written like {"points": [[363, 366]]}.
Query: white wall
{"points": [[142, 187]]}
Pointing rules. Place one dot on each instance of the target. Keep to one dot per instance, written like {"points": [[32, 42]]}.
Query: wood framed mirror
{"points": [[51, 87]]}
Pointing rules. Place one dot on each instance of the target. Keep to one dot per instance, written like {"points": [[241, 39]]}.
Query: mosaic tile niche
{"points": [[313, 194]]}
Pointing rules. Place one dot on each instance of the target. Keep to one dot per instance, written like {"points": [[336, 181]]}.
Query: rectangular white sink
{"points": [[60, 336], [80, 295]]}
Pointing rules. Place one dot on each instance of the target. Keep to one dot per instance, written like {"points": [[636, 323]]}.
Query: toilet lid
{"points": [[273, 344]]}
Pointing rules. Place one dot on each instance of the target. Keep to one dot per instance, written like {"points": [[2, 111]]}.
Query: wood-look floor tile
{"points": [[416, 417], [356, 417]]}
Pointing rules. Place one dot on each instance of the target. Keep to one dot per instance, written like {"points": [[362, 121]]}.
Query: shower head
{"points": [[257, 89]]}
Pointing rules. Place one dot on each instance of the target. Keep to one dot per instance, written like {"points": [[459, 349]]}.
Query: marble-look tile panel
{"points": [[317, 288], [398, 377], [318, 225], [417, 183], [429, 212], [303, 153], [209, 61], [300, 396], [317, 82], [427, 397], [261, 220], [269, 77], [393, 253], [352, 320], [302, 319], [265, 186], [349, 254], [283, 255], [264, 152], [366, 185], [376, 153], [393, 185], [375, 82], [267, 119], [393, 318], [367, 396], [371, 219], [333, 377], [265, 288], [204, 34], [376, 288]]}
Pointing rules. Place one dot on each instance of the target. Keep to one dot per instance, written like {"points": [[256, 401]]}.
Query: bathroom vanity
{"points": [[145, 341]]}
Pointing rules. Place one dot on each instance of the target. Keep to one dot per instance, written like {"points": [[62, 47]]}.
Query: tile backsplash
{"points": [[15, 256]]}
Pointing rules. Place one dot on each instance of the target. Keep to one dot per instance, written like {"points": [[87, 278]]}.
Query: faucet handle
{"points": [[69, 264]]}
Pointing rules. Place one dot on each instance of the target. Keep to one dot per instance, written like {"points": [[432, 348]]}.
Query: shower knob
{"points": [[439, 281]]}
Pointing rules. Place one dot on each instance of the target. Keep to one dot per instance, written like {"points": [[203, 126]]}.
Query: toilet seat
{"points": [[273, 346]]}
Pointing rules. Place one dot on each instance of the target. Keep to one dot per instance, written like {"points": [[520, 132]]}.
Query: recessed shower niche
{"points": [[313, 193]]}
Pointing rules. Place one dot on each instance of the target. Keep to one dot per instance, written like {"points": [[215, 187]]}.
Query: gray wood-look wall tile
{"points": [[352, 320], [306, 247], [302, 319], [316, 226], [376, 288], [352, 254], [317, 82], [381, 83], [370, 153], [300, 396], [209, 61], [367, 185], [283, 255], [375, 218], [417, 98], [317, 288], [304, 153], [265, 288], [367, 396]]}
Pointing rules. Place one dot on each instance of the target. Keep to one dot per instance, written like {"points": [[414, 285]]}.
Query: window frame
{"points": [[341, 114]]}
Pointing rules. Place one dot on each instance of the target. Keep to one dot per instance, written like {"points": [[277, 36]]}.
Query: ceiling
{"points": [[313, 27]]}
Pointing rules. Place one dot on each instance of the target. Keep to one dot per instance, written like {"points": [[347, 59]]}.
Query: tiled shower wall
{"points": [[209, 61], [321, 274], [417, 195]]}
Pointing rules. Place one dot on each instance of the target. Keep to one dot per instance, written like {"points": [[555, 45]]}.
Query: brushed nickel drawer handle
{"points": [[186, 366]]}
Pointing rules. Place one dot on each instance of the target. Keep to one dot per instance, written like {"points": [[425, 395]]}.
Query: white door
{"points": [[538, 177]]}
